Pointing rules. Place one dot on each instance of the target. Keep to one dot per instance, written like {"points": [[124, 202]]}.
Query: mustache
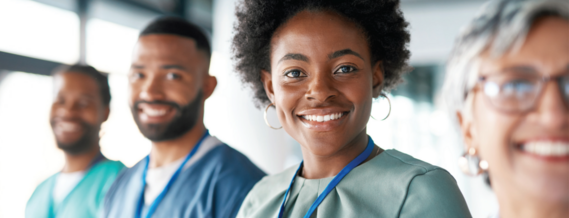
{"points": [[54, 120], [158, 102]]}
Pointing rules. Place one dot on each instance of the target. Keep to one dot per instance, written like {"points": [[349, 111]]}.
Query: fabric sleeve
{"points": [[242, 211], [434, 194]]}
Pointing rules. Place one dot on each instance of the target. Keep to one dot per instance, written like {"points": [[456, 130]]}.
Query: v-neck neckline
{"points": [[53, 209]]}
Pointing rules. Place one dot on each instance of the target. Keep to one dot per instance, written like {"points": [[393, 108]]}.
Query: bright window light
{"points": [[28, 153], [40, 31], [109, 46]]}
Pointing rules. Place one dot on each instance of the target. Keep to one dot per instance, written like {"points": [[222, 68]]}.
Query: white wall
{"points": [[230, 112]]}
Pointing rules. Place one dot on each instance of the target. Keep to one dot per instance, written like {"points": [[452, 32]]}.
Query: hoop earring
{"points": [[466, 165], [388, 113], [265, 116]]}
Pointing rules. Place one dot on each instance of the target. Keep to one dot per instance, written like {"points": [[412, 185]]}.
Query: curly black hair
{"points": [[381, 21]]}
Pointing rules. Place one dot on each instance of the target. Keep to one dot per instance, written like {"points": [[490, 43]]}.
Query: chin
{"points": [[544, 185], [324, 146], [552, 188]]}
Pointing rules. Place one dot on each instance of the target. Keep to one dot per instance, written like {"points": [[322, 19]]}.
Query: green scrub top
{"points": [[85, 200], [392, 184]]}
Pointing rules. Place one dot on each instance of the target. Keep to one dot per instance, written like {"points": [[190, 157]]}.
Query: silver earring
{"points": [[388, 113], [471, 164], [265, 116]]}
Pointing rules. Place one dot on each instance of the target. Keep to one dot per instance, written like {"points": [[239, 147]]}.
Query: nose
{"points": [[67, 110], [321, 89], [552, 108], [151, 89]]}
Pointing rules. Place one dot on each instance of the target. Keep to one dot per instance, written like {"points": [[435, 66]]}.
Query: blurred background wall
{"points": [[36, 36]]}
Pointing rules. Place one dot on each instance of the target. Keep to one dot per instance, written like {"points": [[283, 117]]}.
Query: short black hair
{"points": [[381, 20], [101, 78], [179, 27]]}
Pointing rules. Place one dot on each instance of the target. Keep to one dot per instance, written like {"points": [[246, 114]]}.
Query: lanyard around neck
{"points": [[156, 201], [353, 164]]}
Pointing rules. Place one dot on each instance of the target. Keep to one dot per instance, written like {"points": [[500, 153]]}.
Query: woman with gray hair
{"points": [[508, 85]]}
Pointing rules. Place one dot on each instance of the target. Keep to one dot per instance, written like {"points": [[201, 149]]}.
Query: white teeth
{"points": [[154, 113], [545, 148], [68, 126], [324, 118]]}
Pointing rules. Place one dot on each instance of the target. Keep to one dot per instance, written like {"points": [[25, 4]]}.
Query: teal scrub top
{"points": [[85, 200], [392, 184]]}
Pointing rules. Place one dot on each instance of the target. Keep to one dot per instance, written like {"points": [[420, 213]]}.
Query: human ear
{"points": [[467, 130], [106, 113], [209, 86], [377, 78], [267, 80]]}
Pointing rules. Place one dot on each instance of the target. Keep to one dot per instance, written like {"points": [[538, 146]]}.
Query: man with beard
{"points": [[80, 106], [188, 172]]}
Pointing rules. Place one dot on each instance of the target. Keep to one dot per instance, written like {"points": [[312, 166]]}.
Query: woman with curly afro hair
{"points": [[321, 64]]}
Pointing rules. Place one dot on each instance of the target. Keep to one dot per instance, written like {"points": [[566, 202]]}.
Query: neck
{"points": [[80, 162], [166, 152], [317, 167], [516, 204]]}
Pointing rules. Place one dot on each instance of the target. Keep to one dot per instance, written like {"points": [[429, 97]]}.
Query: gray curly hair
{"points": [[501, 26]]}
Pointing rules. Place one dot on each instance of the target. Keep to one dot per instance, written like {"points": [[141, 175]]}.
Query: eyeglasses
{"points": [[517, 91]]}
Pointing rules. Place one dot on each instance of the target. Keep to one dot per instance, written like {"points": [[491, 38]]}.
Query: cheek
{"points": [[133, 92], [361, 96], [92, 115], [182, 93], [286, 98], [492, 136]]}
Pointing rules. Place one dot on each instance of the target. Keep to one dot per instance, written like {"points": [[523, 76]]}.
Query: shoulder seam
{"points": [[409, 185], [421, 166]]}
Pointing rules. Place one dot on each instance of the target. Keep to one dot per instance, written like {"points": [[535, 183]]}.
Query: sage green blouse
{"points": [[392, 184]]}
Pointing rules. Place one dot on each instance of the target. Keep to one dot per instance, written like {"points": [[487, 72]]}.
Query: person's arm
{"points": [[434, 194]]}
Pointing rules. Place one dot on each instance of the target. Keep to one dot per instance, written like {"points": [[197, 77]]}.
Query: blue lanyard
{"points": [[353, 164], [156, 201]]}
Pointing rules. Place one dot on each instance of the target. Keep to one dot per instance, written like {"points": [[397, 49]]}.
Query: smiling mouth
{"points": [[323, 118], [68, 127], [554, 149], [154, 112]]}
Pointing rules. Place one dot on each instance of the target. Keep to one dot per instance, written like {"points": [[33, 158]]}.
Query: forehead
{"points": [[318, 33], [75, 83], [166, 48], [546, 48]]}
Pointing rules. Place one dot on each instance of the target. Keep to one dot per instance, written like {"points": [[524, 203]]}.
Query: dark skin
{"points": [[78, 99], [320, 65], [169, 68]]}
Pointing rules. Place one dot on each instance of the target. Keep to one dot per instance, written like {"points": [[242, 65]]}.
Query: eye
{"points": [[294, 74], [136, 76], [59, 100], [173, 76], [518, 87], [83, 103], [345, 69]]}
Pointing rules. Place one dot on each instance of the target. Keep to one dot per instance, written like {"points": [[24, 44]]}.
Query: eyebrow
{"points": [[172, 66], [520, 68], [164, 67], [294, 56], [341, 53]]}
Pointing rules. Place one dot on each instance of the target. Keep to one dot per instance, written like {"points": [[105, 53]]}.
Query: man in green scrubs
{"points": [[80, 106]]}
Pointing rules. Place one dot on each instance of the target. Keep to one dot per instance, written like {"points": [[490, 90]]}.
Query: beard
{"points": [[184, 120], [85, 142]]}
